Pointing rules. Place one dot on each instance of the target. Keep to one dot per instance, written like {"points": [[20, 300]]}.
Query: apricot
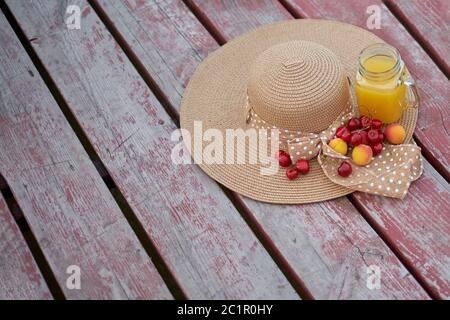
{"points": [[362, 155], [395, 133], [339, 146]]}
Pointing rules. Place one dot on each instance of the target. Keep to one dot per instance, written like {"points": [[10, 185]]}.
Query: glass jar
{"points": [[381, 83]]}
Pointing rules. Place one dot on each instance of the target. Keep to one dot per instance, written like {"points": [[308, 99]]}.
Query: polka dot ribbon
{"points": [[389, 174]]}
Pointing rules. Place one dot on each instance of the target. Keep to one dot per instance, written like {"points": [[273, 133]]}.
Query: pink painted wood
{"points": [[180, 42], [326, 245], [20, 277], [417, 227], [429, 23], [68, 207], [434, 115], [205, 242], [257, 13]]}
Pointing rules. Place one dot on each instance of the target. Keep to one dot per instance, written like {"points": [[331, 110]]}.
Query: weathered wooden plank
{"points": [[434, 115], [418, 226], [68, 207], [205, 242], [227, 13], [20, 277], [429, 23], [326, 254], [169, 40]]}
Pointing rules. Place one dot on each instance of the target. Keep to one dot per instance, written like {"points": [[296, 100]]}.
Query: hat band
{"points": [[300, 145], [389, 174]]}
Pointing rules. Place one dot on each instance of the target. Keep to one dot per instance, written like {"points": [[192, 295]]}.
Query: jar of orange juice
{"points": [[381, 83]]}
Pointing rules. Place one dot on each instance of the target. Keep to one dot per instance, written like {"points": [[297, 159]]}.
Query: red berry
{"points": [[380, 137], [279, 153], [373, 136], [345, 169], [376, 149], [376, 124], [341, 131], [284, 160], [302, 166], [355, 139], [364, 136], [291, 173], [365, 122], [354, 124], [346, 136]]}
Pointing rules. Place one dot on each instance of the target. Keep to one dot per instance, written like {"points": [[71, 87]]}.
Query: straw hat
{"points": [[292, 75]]}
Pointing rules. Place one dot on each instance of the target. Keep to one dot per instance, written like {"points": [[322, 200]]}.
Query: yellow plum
{"points": [[362, 155]]}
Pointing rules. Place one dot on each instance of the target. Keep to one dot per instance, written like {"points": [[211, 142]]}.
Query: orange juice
{"points": [[380, 90]]}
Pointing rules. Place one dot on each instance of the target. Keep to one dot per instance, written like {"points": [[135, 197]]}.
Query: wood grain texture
{"points": [[222, 15], [65, 202], [331, 247], [168, 39], [205, 242], [20, 277], [433, 127], [326, 245], [2, 183], [429, 22], [417, 226]]}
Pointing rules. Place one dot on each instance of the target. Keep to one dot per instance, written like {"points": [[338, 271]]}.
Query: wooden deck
{"points": [[85, 123]]}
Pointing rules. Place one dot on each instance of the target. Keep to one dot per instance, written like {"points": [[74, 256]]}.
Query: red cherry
{"points": [[364, 137], [302, 166], [376, 149], [376, 124], [279, 153], [373, 136], [380, 137], [340, 130], [345, 169], [291, 173], [365, 122], [284, 160], [355, 139], [346, 136], [354, 124], [343, 133]]}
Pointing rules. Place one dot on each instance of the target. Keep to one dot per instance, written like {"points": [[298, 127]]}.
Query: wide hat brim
{"points": [[216, 96]]}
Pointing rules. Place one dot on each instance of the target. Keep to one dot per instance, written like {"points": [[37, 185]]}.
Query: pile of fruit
{"points": [[301, 166], [360, 138]]}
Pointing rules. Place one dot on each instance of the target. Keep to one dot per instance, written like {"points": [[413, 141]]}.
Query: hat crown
{"points": [[298, 85]]}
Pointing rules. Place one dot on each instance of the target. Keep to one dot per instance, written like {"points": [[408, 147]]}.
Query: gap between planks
{"points": [[387, 240], [241, 207], [151, 83], [252, 222], [205, 21], [215, 33], [437, 165], [403, 19], [398, 14], [31, 241], [270, 247], [151, 250]]}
